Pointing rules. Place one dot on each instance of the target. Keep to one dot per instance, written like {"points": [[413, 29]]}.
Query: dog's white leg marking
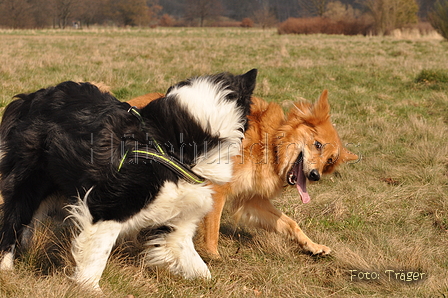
{"points": [[8, 260], [176, 251], [180, 207], [92, 247], [188, 263], [91, 250]]}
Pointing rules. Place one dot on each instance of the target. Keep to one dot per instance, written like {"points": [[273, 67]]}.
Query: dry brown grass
{"points": [[388, 212]]}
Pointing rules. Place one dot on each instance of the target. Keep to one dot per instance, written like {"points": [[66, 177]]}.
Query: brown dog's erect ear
{"points": [[347, 156], [321, 109], [312, 113], [316, 113]]}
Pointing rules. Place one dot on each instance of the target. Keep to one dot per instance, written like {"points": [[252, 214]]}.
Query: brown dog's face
{"points": [[311, 145], [323, 152]]}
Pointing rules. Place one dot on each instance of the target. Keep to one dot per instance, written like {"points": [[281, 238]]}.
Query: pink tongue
{"points": [[301, 183]]}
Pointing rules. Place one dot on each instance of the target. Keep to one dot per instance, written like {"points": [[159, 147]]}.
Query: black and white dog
{"points": [[129, 169]]}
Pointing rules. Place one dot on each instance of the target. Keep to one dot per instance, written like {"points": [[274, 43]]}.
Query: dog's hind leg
{"points": [[92, 246], [261, 213], [91, 250], [52, 207], [21, 200]]}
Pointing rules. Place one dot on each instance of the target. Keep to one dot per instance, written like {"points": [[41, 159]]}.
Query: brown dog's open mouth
{"points": [[296, 177]]}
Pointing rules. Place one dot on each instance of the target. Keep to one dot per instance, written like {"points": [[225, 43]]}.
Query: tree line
{"points": [[84, 13]]}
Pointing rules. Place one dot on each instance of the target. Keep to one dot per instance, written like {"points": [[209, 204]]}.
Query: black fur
{"points": [[72, 137]]}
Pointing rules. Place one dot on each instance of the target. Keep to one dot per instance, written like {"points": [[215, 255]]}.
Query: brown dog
{"points": [[143, 100], [277, 149]]}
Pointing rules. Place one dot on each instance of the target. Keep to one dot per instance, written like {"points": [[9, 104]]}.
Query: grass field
{"points": [[384, 217]]}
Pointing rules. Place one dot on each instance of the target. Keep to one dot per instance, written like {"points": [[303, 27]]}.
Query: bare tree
{"points": [[314, 7], [63, 11], [202, 10], [425, 7], [134, 12], [391, 14], [43, 12], [264, 15], [16, 14], [439, 18], [90, 12], [128, 12], [338, 11]]}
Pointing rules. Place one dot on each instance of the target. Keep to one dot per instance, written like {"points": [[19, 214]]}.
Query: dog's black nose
{"points": [[314, 175]]}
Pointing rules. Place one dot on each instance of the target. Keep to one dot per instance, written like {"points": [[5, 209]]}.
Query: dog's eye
{"points": [[318, 145], [330, 161]]}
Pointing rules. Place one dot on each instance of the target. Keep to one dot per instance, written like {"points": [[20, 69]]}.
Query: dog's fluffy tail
{"points": [[220, 103]]}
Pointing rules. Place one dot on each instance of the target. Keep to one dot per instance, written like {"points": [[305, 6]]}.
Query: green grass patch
{"points": [[433, 78]]}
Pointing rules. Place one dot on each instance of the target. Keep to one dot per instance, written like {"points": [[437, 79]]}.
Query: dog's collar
{"points": [[160, 156]]}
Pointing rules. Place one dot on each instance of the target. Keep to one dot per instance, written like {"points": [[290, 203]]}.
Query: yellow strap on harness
{"points": [[161, 157], [169, 161]]}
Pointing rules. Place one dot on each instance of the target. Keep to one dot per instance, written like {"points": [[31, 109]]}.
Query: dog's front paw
{"points": [[198, 272], [317, 249]]}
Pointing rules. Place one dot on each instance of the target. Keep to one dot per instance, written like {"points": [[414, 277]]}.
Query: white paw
{"points": [[198, 272], [7, 262]]}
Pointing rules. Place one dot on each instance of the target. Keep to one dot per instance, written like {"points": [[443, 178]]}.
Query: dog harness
{"points": [[162, 157]]}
